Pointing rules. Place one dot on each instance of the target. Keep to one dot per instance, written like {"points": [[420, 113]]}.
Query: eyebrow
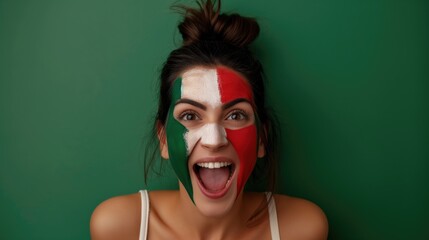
{"points": [[233, 102], [192, 102], [199, 105]]}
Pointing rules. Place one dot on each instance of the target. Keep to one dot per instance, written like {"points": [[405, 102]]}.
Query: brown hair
{"points": [[211, 38], [207, 23]]}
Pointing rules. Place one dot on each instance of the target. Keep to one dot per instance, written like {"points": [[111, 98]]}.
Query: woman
{"points": [[212, 125]]}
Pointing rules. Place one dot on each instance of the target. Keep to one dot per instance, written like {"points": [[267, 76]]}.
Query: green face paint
{"points": [[176, 142]]}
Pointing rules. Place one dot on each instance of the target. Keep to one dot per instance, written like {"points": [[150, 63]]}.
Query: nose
{"points": [[213, 136]]}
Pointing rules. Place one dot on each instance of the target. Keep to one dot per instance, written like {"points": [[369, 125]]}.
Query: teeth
{"points": [[212, 165]]}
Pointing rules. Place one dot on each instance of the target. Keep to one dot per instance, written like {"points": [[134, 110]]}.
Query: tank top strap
{"points": [[272, 212], [144, 219]]}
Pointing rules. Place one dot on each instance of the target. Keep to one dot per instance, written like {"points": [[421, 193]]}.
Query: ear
{"points": [[261, 145], [163, 147], [261, 149]]}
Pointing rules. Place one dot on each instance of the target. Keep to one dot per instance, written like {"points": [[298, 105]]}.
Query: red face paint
{"points": [[244, 142], [233, 86]]}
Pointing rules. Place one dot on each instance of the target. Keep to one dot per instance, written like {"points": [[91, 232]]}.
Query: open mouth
{"points": [[214, 177]]}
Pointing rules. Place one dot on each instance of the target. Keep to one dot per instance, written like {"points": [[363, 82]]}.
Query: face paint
{"points": [[211, 87], [244, 140], [175, 140], [209, 134]]}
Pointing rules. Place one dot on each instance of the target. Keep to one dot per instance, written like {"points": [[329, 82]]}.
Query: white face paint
{"points": [[210, 134], [202, 85]]}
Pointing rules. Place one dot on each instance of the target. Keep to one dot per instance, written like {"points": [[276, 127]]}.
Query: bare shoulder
{"points": [[300, 219], [117, 218]]}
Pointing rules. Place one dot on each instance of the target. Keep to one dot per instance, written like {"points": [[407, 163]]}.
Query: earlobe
{"points": [[164, 150]]}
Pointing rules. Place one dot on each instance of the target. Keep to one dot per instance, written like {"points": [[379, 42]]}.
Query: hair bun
{"points": [[207, 24]]}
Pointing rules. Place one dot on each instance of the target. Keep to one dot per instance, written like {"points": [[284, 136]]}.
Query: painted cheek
{"points": [[176, 143], [233, 86], [177, 151], [244, 141]]}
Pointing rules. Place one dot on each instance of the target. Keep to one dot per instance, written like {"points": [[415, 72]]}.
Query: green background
{"points": [[348, 79]]}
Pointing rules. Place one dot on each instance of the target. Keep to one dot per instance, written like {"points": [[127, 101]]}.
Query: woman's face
{"points": [[212, 135]]}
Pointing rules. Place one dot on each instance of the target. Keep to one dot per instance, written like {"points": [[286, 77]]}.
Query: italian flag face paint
{"points": [[211, 87]]}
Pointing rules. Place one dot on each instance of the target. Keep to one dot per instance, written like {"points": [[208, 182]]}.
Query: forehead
{"points": [[214, 86]]}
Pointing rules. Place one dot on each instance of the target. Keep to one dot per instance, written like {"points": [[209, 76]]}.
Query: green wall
{"points": [[349, 81]]}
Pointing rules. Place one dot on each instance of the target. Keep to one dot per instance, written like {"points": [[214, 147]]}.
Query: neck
{"points": [[219, 227]]}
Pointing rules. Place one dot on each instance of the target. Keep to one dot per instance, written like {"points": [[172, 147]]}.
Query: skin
{"points": [[212, 107], [173, 215]]}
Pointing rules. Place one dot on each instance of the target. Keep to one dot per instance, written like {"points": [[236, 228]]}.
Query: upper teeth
{"points": [[214, 164]]}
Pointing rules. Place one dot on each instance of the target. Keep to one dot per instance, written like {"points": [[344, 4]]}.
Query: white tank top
{"points": [[272, 212]]}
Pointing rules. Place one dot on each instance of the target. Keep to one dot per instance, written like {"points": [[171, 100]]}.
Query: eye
{"points": [[237, 115], [189, 116]]}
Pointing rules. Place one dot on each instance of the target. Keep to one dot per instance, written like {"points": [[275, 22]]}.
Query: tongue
{"points": [[214, 179]]}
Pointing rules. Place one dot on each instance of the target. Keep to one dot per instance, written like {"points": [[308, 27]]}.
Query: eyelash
{"points": [[243, 115], [183, 115]]}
